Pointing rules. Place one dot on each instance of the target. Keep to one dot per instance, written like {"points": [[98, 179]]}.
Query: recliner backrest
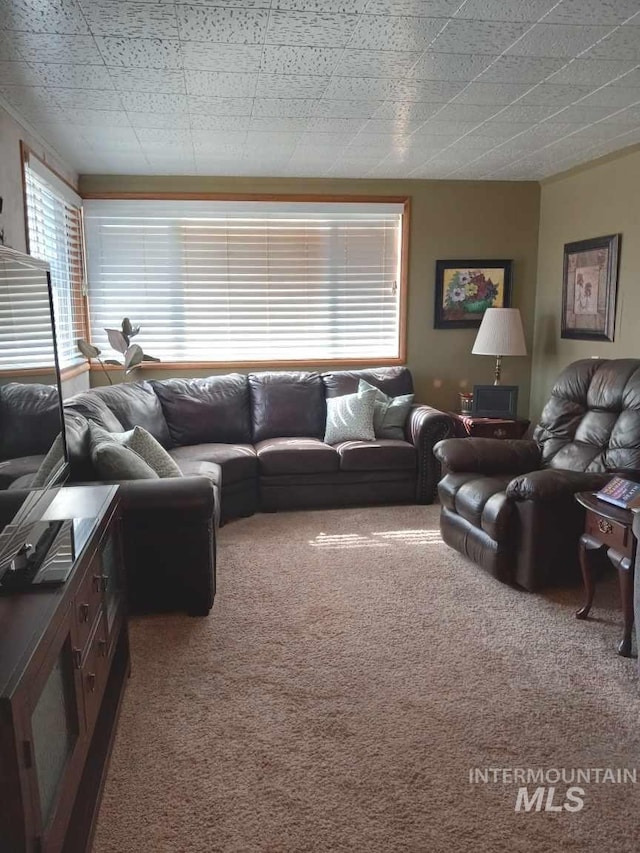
{"points": [[591, 421]]}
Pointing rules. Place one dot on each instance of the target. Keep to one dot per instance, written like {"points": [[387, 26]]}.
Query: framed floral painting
{"points": [[465, 289], [589, 284]]}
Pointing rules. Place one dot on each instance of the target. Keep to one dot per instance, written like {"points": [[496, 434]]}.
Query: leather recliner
{"points": [[509, 505]]}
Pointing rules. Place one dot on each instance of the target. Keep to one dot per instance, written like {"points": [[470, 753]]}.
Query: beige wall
{"points": [[598, 200], [12, 216], [449, 219]]}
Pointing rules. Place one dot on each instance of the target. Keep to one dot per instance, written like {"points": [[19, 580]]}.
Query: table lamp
{"points": [[500, 333]]}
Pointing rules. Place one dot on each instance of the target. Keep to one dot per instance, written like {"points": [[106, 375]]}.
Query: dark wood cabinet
{"points": [[64, 660]]}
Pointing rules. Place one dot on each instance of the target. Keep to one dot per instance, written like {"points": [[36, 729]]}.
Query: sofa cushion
{"points": [[237, 461], [12, 469], [198, 468], [287, 404], [384, 454], [214, 409], [29, 419], [134, 404], [394, 381], [350, 417], [295, 456]]}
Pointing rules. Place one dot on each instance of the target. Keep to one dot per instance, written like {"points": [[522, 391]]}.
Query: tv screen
{"points": [[33, 451]]}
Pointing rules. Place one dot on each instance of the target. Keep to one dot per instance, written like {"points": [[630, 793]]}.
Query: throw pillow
{"points": [[350, 418], [153, 453], [114, 461], [390, 413]]}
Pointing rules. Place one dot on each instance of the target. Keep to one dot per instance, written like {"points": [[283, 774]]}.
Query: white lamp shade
{"points": [[500, 333]]}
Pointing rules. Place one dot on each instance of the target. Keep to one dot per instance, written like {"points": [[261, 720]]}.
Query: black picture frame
{"points": [[495, 401], [589, 288], [468, 314]]}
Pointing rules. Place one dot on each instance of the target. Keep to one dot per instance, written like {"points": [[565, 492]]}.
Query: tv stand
{"points": [[64, 662]]}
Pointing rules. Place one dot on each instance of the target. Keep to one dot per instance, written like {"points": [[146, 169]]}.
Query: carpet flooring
{"points": [[353, 670]]}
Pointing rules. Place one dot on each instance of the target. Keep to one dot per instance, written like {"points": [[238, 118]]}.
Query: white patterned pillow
{"points": [[350, 418]]}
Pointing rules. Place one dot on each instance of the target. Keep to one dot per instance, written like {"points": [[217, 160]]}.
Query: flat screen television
{"points": [[33, 447]]}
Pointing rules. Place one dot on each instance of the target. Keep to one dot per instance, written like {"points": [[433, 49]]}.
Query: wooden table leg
{"points": [[588, 549], [625, 581]]}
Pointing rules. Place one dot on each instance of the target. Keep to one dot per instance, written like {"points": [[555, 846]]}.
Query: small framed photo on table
{"points": [[589, 284], [495, 401]]}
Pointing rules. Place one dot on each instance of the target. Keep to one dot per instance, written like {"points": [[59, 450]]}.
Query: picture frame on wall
{"points": [[465, 289], [589, 288]]}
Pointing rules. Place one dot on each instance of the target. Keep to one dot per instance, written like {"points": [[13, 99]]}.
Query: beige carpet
{"points": [[352, 672]]}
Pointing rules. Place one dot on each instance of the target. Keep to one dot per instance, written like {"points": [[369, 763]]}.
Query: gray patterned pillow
{"points": [[350, 418], [390, 413], [113, 461], [153, 453]]}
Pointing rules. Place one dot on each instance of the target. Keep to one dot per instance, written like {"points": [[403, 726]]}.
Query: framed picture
{"points": [[465, 289], [495, 401], [589, 285]]}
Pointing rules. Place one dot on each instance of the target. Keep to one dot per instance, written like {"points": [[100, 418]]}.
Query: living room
{"points": [[364, 656]]}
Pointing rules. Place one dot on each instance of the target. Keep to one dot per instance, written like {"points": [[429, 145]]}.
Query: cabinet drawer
{"points": [[88, 601], [610, 533], [94, 672]]}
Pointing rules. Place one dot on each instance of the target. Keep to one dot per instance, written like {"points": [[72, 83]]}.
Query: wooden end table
{"points": [[466, 426], [608, 529]]}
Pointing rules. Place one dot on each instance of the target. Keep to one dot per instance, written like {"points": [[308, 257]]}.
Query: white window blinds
{"points": [[247, 281], [26, 341], [54, 221]]}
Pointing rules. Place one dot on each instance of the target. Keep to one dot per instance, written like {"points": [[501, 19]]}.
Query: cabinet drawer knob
{"points": [[77, 658], [605, 526], [102, 648], [83, 612], [91, 682]]}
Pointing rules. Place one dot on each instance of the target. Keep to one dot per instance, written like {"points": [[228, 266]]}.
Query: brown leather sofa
{"points": [[258, 438], [509, 505], [243, 443]]}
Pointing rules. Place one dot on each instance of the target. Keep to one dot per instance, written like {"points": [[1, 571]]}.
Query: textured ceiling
{"points": [[482, 89]]}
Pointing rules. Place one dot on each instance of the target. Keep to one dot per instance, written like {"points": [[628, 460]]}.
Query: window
{"points": [[248, 281], [54, 219]]}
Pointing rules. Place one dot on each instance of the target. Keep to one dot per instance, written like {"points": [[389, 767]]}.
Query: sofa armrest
{"points": [[424, 428], [552, 484], [169, 543], [489, 455]]}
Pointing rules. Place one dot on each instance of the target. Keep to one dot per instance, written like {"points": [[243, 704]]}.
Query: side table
{"points": [[470, 426], [608, 529]]}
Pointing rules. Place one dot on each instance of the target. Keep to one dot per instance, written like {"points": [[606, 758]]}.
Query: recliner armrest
{"points": [[554, 483], [489, 455], [426, 426]]}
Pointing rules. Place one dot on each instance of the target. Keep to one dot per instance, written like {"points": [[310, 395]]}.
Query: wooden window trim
{"points": [[405, 201]]}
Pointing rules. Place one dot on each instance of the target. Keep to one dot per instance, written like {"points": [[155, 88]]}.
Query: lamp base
{"points": [[498, 370]]}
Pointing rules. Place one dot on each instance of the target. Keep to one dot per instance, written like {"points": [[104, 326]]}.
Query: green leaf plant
{"points": [[120, 340]]}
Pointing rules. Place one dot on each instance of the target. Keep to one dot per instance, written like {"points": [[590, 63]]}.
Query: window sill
{"points": [[346, 363]]}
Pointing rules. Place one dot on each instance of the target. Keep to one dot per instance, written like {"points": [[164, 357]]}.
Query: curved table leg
{"points": [[625, 581], [589, 548]]}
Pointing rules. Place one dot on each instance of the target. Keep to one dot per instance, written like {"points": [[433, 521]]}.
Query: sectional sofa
{"points": [[243, 443]]}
